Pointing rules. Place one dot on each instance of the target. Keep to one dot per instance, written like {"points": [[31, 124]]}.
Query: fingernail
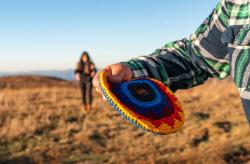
{"points": [[104, 98]]}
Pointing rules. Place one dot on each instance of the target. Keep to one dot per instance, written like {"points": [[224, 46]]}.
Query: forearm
{"points": [[176, 65], [190, 61]]}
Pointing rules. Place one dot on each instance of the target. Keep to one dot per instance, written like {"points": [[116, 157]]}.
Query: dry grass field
{"points": [[42, 121]]}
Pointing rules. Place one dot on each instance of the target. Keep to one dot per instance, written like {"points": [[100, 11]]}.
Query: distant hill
{"points": [[29, 81], [67, 74]]}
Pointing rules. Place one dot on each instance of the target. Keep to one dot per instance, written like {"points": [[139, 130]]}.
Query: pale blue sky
{"points": [[51, 34]]}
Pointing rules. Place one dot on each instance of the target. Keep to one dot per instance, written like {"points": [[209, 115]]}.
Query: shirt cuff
{"points": [[137, 70]]}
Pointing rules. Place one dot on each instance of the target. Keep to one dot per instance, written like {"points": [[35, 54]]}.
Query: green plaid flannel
{"points": [[218, 48]]}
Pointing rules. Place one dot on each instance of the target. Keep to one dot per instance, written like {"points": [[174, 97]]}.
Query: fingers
{"points": [[96, 84], [108, 70], [97, 89], [115, 73], [95, 81]]}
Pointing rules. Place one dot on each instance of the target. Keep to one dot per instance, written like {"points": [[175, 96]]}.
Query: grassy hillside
{"points": [[42, 121]]}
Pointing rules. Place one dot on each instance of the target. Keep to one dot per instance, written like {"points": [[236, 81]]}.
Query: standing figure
{"points": [[84, 73]]}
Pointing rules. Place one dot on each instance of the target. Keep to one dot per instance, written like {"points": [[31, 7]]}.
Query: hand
{"points": [[92, 74], [77, 77], [116, 73]]}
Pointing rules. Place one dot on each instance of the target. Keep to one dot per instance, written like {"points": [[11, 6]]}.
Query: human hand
{"points": [[77, 77], [115, 73], [92, 74]]}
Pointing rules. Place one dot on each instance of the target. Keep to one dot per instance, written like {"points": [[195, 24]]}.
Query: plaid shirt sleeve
{"points": [[188, 62], [218, 48], [237, 38]]}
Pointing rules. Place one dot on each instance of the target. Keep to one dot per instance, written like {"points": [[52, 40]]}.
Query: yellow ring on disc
{"points": [[163, 126]]}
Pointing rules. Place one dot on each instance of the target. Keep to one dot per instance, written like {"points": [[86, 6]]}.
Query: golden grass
{"points": [[46, 124]]}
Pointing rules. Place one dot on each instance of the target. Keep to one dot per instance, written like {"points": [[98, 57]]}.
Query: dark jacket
{"points": [[85, 69]]}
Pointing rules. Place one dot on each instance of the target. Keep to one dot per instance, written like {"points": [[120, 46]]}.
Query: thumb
{"points": [[114, 75], [108, 70], [115, 78]]}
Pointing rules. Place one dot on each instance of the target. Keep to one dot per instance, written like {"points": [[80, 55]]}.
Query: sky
{"points": [[51, 34]]}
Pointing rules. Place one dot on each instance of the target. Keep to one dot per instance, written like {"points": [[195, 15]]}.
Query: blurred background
{"points": [[41, 115], [50, 35]]}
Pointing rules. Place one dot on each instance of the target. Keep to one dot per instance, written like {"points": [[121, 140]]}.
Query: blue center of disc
{"points": [[143, 97], [142, 92]]}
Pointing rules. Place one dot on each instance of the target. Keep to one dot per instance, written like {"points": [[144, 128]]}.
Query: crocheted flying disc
{"points": [[145, 102]]}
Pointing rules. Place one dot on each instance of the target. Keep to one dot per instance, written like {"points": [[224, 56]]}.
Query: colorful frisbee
{"points": [[145, 102]]}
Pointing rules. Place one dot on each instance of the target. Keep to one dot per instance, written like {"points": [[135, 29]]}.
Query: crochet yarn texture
{"points": [[147, 103]]}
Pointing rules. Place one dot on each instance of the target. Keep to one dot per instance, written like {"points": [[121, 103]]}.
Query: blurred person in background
{"points": [[84, 73]]}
